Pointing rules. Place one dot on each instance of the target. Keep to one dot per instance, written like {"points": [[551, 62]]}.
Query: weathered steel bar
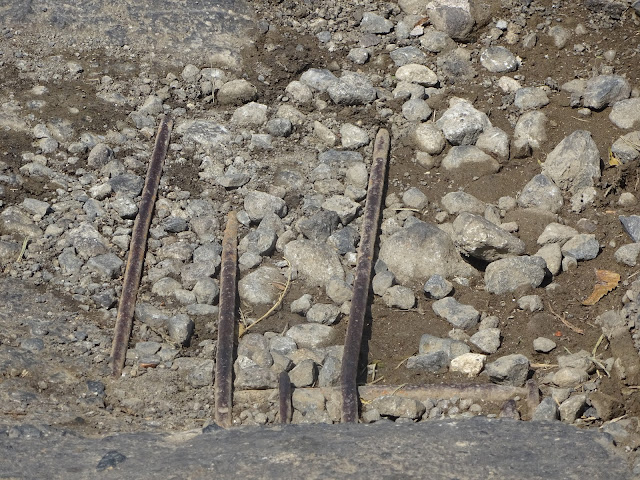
{"points": [[284, 397], [135, 261], [226, 324], [362, 280]]}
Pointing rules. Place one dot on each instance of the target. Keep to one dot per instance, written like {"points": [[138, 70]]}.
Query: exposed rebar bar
{"points": [[226, 324], [284, 397], [362, 280], [135, 260]]}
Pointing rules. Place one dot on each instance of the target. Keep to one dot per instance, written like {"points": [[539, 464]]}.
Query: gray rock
{"points": [[541, 193], [180, 328], [530, 98], [353, 136], [338, 291], [250, 115], [569, 377], [236, 92], [127, 184], [352, 89], [69, 262], [530, 130], [451, 348], [107, 266], [546, 411], [429, 138], [304, 374], [416, 73], [406, 55], [571, 408], [416, 110], [201, 373], [531, 303], [583, 246], [315, 262], [399, 297], [359, 55], [150, 315], [206, 291], [481, 239], [255, 378], [344, 207], [14, 221], [627, 148], [337, 158], [631, 225], [311, 335], [471, 158], [87, 241], [318, 79], [613, 323], [319, 226], [498, 60], [126, 207], [430, 362], [324, 313], [560, 35], [628, 254], [261, 141], [487, 340], [457, 314], [543, 345], [282, 345], [329, 374], [399, 407], [260, 241], [344, 240], [511, 273], [574, 163], [258, 204], [462, 124], [458, 202], [374, 23], [437, 287], [455, 67], [99, 156], [258, 287], [279, 127], [556, 233], [302, 304], [435, 42], [455, 18], [626, 113], [508, 370], [382, 281], [253, 350], [421, 250], [204, 132], [494, 141], [604, 90]]}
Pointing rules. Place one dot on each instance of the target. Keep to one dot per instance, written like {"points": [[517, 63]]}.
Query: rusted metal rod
{"points": [[284, 397], [362, 281], [135, 260], [226, 324]]}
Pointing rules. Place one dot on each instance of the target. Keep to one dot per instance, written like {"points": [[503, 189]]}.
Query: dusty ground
{"points": [[393, 334]]}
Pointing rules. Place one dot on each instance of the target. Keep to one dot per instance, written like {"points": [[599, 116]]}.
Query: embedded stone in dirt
{"points": [[511, 273], [479, 238]]}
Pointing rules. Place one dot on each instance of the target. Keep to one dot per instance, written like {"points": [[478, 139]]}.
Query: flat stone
{"points": [[311, 335], [434, 362], [498, 60], [374, 23], [556, 233], [451, 348], [400, 297], [315, 262], [395, 406], [626, 113], [236, 92], [416, 73], [487, 340], [546, 411], [259, 286], [604, 90], [324, 313], [319, 79], [508, 370], [628, 254], [407, 55], [479, 238], [258, 204], [457, 314], [583, 246], [530, 98], [429, 138], [470, 157], [511, 273]]}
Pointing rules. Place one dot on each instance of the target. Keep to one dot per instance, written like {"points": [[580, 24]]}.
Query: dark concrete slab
{"points": [[191, 29], [478, 448]]}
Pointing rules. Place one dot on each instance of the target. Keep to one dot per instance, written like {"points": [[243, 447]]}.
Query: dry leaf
{"points": [[613, 161], [606, 281]]}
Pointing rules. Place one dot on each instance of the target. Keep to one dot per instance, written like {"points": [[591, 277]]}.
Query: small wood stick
{"points": [[135, 260], [284, 396], [360, 297], [226, 324]]}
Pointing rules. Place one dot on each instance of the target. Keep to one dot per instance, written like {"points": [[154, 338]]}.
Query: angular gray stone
{"points": [[374, 23], [495, 141], [430, 362], [258, 204], [99, 156], [546, 411], [571, 408], [462, 124], [315, 262], [382, 281], [253, 350], [511, 273], [87, 241], [569, 377], [402, 407], [531, 129], [258, 287], [530, 98], [206, 291], [329, 374], [470, 157], [400, 297], [416, 73], [628, 254], [311, 335], [406, 55], [541, 192], [127, 184], [574, 163], [429, 138], [437, 287], [236, 92], [304, 374], [180, 328], [626, 113], [508, 370], [457, 314], [583, 246], [255, 378], [498, 60], [250, 115], [631, 225], [604, 90], [207, 133], [458, 202], [324, 313], [107, 266], [421, 250], [627, 148], [454, 17], [352, 89], [543, 345], [14, 221], [479, 238], [487, 340], [416, 110], [556, 233], [452, 348], [318, 78]]}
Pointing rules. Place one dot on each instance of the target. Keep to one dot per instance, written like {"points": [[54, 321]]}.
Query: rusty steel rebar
{"points": [[135, 260], [360, 297], [284, 397], [226, 324]]}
